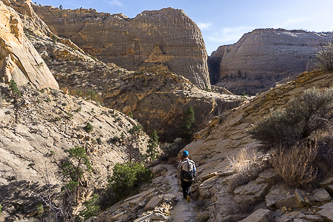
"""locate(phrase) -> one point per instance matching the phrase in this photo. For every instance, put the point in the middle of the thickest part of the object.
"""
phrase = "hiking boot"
(188, 199)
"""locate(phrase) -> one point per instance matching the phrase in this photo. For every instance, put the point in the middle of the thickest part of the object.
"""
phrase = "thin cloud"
(291, 23)
(230, 34)
(116, 3)
(204, 26)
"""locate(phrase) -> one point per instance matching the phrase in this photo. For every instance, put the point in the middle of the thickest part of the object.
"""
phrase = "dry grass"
(242, 162)
(246, 167)
(297, 166)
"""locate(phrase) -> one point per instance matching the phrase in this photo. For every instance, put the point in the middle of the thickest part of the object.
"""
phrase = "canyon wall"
(155, 41)
(264, 57)
(19, 61)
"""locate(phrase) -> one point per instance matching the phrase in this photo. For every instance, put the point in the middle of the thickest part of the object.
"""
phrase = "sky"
(223, 22)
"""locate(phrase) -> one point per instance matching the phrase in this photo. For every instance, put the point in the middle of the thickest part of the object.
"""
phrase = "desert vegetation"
(324, 57)
(298, 137)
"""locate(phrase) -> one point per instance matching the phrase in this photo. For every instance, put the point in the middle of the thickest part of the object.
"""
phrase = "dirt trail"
(182, 211)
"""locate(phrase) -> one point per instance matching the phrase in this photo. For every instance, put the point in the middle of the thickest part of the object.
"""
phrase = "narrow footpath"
(182, 211)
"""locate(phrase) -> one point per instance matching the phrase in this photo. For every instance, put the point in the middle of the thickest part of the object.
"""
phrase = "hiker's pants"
(186, 185)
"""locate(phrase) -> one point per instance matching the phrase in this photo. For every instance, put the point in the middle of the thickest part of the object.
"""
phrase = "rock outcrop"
(19, 61)
(166, 40)
(265, 57)
(37, 131)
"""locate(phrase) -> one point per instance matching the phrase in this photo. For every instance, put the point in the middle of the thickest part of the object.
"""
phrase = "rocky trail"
(183, 210)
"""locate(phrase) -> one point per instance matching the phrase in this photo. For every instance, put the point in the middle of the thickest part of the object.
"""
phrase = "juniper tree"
(152, 145)
(73, 168)
(188, 119)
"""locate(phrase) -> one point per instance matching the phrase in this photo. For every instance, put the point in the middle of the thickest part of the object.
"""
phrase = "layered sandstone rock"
(157, 100)
(35, 137)
(18, 58)
(264, 57)
(155, 41)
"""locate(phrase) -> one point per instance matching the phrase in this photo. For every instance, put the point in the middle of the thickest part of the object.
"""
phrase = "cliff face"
(163, 40)
(18, 58)
(157, 101)
(264, 57)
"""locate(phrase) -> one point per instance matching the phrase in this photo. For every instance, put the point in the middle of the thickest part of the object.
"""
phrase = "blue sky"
(223, 22)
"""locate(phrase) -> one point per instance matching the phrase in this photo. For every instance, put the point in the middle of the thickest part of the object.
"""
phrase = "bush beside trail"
(299, 137)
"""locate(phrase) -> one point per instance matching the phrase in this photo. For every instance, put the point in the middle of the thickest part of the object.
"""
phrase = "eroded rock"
(154, 41)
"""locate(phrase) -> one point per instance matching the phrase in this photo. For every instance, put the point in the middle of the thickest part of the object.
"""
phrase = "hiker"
(187, 174)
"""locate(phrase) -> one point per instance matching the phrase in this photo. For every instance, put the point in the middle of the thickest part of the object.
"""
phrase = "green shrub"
(57, 119)
(152, 145)
(172, 149)
(73, 168)
(55, 39)
(14, 88)
(92, 207)
(0, 209)
(88, 128)
(79, 92)
(302, 116)
(127, 178)
(92, 95)
(188, 119)
(40, 209)
(130, 114)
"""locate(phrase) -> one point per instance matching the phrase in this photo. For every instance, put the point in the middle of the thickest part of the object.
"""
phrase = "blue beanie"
(185, 153)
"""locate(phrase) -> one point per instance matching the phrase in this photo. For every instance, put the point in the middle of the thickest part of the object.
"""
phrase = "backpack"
(187, 171)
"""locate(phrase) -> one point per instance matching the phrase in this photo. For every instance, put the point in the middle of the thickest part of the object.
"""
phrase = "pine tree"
(188, 119)
(152, 145)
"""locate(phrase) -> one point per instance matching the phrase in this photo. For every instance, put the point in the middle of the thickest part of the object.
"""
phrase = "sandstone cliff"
(157, 100)
(18, 58)
(155, 41)
(264, 57)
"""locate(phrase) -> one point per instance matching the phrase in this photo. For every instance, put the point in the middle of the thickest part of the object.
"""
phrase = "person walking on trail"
(187, 174)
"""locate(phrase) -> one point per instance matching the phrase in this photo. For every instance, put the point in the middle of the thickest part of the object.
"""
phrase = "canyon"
(63, 88)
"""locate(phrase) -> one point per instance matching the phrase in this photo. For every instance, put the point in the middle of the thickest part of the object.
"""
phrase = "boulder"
(326, 211)
(252, 189)
(267, 176)
(321, 195)
(154, 202)
(260, 215)
(282, 195)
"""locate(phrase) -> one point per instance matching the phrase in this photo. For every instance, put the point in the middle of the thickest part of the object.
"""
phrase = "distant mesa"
(162, 40)
(264, 57)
